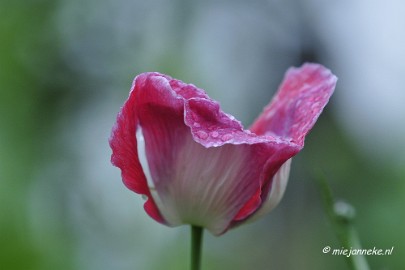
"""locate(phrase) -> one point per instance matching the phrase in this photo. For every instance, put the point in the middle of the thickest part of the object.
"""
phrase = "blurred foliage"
(32, 95)
(54, 214)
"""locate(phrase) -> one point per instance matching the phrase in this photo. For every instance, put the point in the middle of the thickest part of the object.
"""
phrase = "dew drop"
(226, 137)
(214, 134)
(202, 135)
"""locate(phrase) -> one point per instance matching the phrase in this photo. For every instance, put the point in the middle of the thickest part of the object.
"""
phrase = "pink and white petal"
(190, 183)
(206, 179)
(125, 156)
(201, 167)
(273, 181)
(277, 189)
(205, 187)
(298, 103)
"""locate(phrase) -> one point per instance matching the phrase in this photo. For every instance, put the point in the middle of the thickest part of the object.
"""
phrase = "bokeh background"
(66, 67)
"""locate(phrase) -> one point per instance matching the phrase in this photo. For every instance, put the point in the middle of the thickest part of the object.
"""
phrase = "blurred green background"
(66, 68)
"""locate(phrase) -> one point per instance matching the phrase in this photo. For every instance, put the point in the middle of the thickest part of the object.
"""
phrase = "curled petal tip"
(301, 97)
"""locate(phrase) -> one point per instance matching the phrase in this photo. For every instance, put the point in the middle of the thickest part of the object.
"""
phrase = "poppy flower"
(196, 164)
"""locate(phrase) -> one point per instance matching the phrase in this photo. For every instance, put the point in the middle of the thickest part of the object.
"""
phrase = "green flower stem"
(341, 215)
(196, 246)
(359, 262)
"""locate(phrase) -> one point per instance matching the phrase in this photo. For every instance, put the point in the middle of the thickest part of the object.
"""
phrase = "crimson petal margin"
(125, 155)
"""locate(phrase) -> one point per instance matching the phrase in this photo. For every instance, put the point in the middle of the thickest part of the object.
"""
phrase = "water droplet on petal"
(226, 137)
(202, 134)
(214, 134)
(195, 117)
